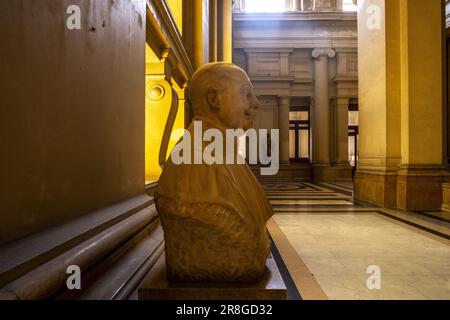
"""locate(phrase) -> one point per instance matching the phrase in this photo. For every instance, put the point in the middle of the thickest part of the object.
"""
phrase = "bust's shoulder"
(195, 182)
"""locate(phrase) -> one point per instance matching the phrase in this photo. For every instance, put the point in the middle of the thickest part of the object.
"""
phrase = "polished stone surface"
(338, 246)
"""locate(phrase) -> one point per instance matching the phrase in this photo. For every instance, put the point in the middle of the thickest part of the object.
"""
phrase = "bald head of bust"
(223, 93)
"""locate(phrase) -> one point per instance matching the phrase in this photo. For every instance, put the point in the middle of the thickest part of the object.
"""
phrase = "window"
(265, 5)
(353, 118)
(349, 5)
(353, 138)
(299, 135)
(353, 132)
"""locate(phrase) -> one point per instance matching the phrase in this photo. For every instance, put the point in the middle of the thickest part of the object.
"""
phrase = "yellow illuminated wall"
(158, 100)
(176, 8)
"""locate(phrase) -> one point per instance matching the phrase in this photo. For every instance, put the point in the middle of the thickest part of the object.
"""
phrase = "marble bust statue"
(214, 215)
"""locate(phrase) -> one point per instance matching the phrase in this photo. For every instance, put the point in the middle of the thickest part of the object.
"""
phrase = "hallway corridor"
(130, 130)
(328, 242)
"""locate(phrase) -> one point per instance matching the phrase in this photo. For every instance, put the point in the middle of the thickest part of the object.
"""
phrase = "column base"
(379, 188)
(328, 173)
(298, 171)
(289, 170)
(420, 187)
(411, 188)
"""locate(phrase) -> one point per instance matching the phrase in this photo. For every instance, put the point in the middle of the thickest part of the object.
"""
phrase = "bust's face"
(238, 102)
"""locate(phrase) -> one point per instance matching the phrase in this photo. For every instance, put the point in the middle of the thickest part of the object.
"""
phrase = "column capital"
(329, 52)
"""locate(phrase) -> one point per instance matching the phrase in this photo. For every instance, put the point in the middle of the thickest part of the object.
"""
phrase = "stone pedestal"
(325, 173)
(297, 171)
(379, 188)
(412, 188)
(420, 187)
(156, 287)
(291, 170)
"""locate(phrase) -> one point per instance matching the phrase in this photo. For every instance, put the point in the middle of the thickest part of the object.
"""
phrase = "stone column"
(198, 34)
(212, 30)
(305, 5)
(290, 5)
(421, 171)
(378, 94)
(225, 45)
(400, 98)
(321, 113)
(283, 126)
(193, 31)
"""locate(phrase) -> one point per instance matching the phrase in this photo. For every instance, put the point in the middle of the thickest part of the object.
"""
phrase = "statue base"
(156, 287)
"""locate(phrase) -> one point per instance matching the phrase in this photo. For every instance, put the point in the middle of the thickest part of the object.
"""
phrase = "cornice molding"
(296, 16)
(282, 79)
(268, 50)
(342, 44)
(272, 78)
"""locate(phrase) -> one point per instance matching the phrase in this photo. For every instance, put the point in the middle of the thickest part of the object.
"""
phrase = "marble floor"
(337, 249)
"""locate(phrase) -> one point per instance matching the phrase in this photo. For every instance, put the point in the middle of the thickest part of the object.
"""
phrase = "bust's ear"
(212, 96)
